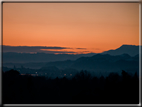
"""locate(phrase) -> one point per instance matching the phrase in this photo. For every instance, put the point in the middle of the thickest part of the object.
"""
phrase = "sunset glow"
(96, 27)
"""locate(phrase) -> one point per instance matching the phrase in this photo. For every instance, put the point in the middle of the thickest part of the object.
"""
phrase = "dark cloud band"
(35, 49)
(28, 48)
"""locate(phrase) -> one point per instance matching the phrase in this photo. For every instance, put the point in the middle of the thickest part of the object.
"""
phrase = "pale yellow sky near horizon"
(95, 26)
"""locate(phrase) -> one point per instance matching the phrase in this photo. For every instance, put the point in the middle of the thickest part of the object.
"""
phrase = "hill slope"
(132, 50)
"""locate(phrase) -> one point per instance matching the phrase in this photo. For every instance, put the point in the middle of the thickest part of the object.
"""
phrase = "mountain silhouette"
(97, 65)
(38, 60)
(38, 57)
(132, 50)
(100, 63)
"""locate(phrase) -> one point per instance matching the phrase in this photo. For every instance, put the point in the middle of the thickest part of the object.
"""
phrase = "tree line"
(80, 89)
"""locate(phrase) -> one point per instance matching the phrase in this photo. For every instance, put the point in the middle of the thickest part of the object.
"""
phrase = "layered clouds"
(44, 49)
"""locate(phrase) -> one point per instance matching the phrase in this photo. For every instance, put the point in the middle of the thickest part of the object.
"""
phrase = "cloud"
(85, 51)
(60, 52)
(44, 49)
(29, 49)
(80, 48)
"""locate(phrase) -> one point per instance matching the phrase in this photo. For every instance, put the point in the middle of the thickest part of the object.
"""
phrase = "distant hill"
(132, 50)
(13, 57)
(100, 63)
(38, 60)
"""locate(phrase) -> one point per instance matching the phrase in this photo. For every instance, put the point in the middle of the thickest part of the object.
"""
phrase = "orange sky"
(95, 26)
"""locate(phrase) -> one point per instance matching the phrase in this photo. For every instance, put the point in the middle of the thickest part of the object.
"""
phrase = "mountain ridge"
(97, 64)
(13, 57)
(132, 50)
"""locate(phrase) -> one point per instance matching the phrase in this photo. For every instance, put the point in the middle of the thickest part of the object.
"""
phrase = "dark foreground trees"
(81, 89)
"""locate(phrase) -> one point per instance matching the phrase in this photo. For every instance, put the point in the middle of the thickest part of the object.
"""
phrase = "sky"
(80, 27)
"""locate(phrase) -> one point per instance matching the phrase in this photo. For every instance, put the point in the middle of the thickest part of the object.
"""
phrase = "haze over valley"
(125, 58)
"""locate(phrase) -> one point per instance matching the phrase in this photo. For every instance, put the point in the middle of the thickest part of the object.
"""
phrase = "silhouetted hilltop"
(101, 63)
(132, 50)
(97, 64)
(13, 57)
(60, 64)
